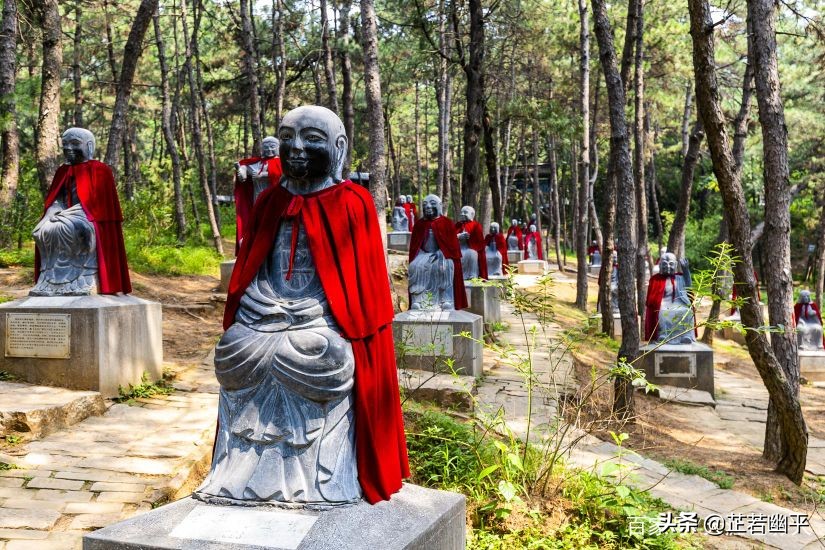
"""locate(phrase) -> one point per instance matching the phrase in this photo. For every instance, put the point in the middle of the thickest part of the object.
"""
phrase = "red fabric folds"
(530, 236)
(501, 246)
(476, 242)
(245, 193)
(517, 230)
(653, 303)
(98, 198)
(408, 210)
(445, 237)
(345, 243)
(797, 313)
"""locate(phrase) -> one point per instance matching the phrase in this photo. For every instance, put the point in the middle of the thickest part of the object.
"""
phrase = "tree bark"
(652, 184)
(686, 118)
(642, 262)
(554, 198)
(348, 113)
(625, 208)
(250, 69)
(329, 64)
(47, 152)
(819, 281)
(9, 138)
(584, 157)
(491, 163)
(777, 241)
(210, 142)
(376, 161)
(676, 240)
(608, 244)
(780, 388)
(76, 76)
(279, 50)
(473, 120)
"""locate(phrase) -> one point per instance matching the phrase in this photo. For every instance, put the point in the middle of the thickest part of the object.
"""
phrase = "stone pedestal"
(682, 366)
(593, 269)
(425, 339)
(532, 267)
(515, 256)
(83, 342)
(226, 274)
(399, 241)
(484, 300)
(812, 365)
(414, 518)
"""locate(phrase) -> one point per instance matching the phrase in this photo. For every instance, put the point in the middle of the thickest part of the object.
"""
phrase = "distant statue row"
(404, 214)
(525, 238)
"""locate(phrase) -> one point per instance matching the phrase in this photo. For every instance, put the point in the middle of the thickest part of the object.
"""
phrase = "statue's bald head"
(78, 145)
(269, 147)
(313, 144)
(804, 296)
(494, 228)
(431, 208)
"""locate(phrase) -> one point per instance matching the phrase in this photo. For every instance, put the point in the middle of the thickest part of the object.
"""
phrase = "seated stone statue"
(252, 176)
(309, 409)
(495, 250)
(435, 280)
(514, 236)
(808, 321)
(532, 245)
(596, 259)
(471, 241)
(400, 220)
(669, 316)
(79, 239)
(592, 251)
(412, 211)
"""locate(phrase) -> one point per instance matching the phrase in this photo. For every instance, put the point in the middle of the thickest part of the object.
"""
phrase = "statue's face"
(78, 145)
(467, 213)
(532, 229)
(402, 200)
(313, 144)
(667, 265)
(804, 297)
(409, 199)
(269, 147)
(431, 208)
(494, 228)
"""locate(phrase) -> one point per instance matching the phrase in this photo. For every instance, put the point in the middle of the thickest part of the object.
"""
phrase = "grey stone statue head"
(513, 222)
(402, 200)
(431, 208)
(409, 199)
(78, 145)
(532, 228)
(494, 228)
(667, 264)
(468, 213)
(313, 144)
(804, 296)
(270, 146)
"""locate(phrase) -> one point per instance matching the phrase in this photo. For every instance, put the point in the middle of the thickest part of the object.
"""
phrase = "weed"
(4, 466)
(7, 376)
(143, 390)
(12, 439)
(719, 477)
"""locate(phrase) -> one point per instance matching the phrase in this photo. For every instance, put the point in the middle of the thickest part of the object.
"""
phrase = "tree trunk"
(584, 158)
(780, 388)
(491, 162)
(131, 56)
(279, 49)
(473, 119)
(819, 281)
(250, 69)
(686, 119)
(652, 184)
(348, 113)
(536, 190)
(329, 64)
(608, 245)
(594, 165)
(676, 240)
(210, 142)
(642, 255)
(168, 134)
(554, 198)
(47, 152)
(633, 9)
(625, 208)
(376, 162)
(76, 57)
(777, 241)
(9, 138)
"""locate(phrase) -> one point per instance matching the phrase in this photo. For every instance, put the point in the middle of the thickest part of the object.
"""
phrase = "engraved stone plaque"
(245, 526)
(398, 238)
(43, 335)
(429, 340)
(675, 365)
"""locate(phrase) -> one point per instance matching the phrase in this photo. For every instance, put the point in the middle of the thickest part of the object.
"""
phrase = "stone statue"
(79, 239)
(252, 176)
(614, 284)
(669, 316)
(532, 244)
(400, 221)
(596, 260)
(592, 251)
(471, 241)
(514, 236)
(412, 211)
(808, 323)
(495, 250)
(309, 410)
(436, 280)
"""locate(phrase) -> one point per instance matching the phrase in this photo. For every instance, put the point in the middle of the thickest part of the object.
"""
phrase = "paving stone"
(725, 501)
(30, 504)
(11, 481)
(51, 483)
(118, 487)
(94, 508)
(13, 518)
(25, 534)
(93, 521)
(120, 497)
(99, 475)
(130, 464)
(14, 492)
(25, 472)
(63, 496)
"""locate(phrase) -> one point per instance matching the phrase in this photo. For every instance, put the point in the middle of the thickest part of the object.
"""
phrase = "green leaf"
(487, 471)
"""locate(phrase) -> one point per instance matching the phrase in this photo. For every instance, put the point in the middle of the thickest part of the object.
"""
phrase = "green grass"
(13, 257)
(719, 477)
(173, 260)
(4, 466)
(143, 390)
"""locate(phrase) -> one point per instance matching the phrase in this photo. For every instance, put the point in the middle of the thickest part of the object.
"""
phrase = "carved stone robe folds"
(339, 229)
(445, 237)
(97, 194)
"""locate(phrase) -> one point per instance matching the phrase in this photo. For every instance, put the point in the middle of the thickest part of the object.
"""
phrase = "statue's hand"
(684, 264)
(240, 171)
(464, 236)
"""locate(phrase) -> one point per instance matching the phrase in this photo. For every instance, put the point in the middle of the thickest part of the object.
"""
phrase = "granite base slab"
(484, 300)
(514, 256)
(414, 518)
(683, 366)
(812, 365)
(593, 269)
(399, 241)
(97, 343)
(425, 340)
(532, 267)
(226, 274)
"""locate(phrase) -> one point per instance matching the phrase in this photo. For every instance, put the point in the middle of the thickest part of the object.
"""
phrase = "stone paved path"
(109, 467)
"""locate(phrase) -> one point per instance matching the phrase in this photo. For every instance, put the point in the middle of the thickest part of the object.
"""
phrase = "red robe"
(245, 193)
(517, 230)
(408, 209)
(537, 236)
(476, 243)
(797, 313)
(414, 211)
(447, 241)
(655, 293)
(345, 243)
(501, 246)
(98, 198)
(734, 293)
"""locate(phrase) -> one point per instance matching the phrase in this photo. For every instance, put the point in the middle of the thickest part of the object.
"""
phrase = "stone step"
(41, 410)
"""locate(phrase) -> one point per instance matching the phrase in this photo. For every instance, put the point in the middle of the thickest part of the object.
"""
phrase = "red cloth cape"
(501, 246)
(591, 249)
(797, 313)
(476, 243)
(98, 198)
(655, 293)
(447, 241)
(517, 230)
(414, 211)
(245, 191)
(734, 293)
(345, 242)
(537, 236)
(410, 218)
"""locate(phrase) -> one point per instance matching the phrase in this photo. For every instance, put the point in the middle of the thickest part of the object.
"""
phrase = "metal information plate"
(245, 526)
(675, 365)
(43, 335)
